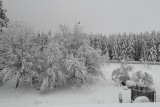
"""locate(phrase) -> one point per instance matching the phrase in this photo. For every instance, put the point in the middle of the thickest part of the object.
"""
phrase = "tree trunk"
(17, 83)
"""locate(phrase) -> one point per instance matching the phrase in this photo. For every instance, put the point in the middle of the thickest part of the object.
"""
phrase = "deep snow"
(101, 93)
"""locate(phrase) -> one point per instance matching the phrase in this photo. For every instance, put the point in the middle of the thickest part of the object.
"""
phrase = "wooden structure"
(137, 91)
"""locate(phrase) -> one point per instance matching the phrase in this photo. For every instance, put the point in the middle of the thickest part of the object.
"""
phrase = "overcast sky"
(97, 16)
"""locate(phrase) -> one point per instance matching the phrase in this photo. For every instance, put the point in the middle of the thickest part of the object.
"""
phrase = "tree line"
(131, 47)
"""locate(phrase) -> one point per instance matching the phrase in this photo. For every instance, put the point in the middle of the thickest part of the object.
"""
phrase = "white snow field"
(101, 93)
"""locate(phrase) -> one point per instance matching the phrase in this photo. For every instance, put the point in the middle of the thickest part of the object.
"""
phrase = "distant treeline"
(131, 46)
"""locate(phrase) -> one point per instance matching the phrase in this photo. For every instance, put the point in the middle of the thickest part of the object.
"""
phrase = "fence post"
(155, 96)
(120, 97)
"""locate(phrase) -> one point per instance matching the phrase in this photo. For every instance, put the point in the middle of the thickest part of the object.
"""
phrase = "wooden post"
(154, 96)
(120, 97)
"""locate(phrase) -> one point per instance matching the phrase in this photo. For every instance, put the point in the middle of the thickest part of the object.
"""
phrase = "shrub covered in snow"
(69, 59)
(122, 73)
(130, 83)
(142, 79)
(136, 76)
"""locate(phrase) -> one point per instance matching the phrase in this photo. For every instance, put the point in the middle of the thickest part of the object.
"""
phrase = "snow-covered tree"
(122, 73)
(152, 53)
(15, 47)
(73, 60)
(3, 18)
(130, 49)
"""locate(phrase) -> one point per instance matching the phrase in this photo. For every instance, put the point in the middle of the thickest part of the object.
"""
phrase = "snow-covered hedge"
(143, 79)
(130, 83)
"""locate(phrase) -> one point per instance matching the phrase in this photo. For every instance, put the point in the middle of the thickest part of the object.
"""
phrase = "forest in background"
(131, 47)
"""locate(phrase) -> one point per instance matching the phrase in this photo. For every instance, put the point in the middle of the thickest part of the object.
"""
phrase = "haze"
(96, 16)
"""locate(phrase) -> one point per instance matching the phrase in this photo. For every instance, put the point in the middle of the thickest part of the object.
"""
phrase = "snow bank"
(141, 99)
(100, 93)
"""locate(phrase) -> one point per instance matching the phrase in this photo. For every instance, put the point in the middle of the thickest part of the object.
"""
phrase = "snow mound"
(141, 99)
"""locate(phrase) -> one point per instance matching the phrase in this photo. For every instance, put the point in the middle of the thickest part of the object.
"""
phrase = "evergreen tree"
(3, 18)
(130, 49)
(124, 46)
(152, 50)
(144, 56)
(115, 49)
(158, 52)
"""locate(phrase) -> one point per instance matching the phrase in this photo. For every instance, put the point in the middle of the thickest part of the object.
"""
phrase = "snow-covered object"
(118, 82)
(130, 83)
(141, 99)
(125, 87)
(120, 96)
(142, 79)
(135, 76)
(141, 83)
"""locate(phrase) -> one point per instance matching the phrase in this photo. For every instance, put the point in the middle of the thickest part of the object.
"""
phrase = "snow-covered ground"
(101, 93)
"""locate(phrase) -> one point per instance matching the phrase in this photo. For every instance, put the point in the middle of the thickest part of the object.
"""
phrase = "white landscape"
(79, 52)
(103, 92)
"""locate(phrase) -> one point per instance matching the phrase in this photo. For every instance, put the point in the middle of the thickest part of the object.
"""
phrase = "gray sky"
(97, 16)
